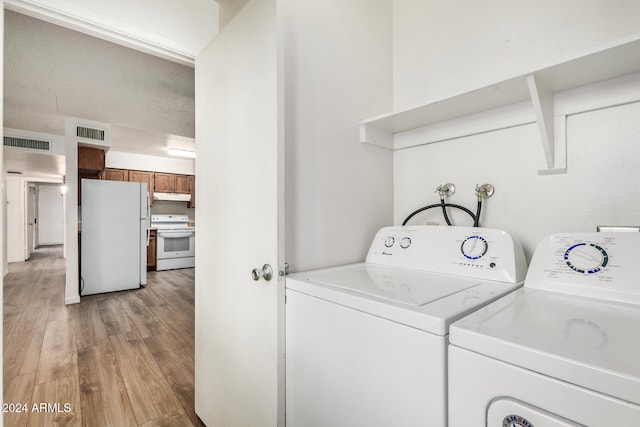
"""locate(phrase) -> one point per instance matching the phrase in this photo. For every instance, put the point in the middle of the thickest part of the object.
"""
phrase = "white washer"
(562, 351)
(366, 344)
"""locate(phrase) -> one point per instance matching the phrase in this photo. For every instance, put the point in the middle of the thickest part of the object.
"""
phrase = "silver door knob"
(265, 272)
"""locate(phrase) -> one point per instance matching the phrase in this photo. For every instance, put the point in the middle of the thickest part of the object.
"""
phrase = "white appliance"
(366, 344)
(113, 255)
(172, 197)
(562, 351)
(175, 242)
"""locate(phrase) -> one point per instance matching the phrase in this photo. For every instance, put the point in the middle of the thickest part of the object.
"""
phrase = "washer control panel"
(593, 265)
(587, 258)
(482, 253)
(474, 247)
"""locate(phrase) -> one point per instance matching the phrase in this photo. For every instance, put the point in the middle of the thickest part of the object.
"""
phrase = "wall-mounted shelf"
(523, 99)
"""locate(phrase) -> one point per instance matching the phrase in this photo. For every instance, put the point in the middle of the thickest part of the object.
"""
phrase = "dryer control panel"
(482, 253)
(593, 265)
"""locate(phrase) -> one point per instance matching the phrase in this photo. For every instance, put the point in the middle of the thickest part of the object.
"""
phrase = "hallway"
(119, 359)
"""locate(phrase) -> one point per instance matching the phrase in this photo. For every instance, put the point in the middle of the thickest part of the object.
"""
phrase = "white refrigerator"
(115, 222)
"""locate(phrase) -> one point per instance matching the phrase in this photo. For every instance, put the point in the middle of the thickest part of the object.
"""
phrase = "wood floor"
(119, 359)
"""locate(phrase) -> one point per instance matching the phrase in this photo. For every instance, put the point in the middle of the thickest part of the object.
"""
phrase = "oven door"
(175, 244)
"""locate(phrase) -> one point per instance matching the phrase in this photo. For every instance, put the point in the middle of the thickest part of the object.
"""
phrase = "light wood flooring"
(119, 359)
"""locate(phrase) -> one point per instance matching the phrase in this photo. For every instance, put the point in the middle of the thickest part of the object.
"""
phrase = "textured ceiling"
(51, 72)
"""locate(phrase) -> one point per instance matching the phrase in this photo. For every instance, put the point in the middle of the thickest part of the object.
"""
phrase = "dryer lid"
(590, 343)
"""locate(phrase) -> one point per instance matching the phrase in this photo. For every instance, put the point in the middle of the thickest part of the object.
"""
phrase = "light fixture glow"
(181, 153)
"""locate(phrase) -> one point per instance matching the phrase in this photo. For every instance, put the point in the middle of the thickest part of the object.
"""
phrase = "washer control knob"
(405, 242)
(586, 258)
(389, 241)
(474, 247)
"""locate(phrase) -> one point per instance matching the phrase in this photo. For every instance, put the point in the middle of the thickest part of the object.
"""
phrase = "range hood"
(174, 197)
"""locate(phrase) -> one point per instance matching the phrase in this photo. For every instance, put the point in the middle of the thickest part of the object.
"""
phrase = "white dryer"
(562, 351)
(366, 344)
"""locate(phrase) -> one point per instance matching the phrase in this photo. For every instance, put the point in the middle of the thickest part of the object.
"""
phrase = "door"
(31, 220)
(239, 322)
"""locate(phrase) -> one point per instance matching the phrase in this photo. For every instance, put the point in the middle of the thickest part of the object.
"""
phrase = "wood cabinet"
(151, 250)
(192, 189)
(182, 184)
(159, 182)
(172, 183)
(90, 166)
(146, 177)
(164, 182)
(90, 160)
(115, 174)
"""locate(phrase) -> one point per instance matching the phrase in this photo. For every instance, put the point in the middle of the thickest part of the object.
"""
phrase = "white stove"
(366, 344)
(175, 241)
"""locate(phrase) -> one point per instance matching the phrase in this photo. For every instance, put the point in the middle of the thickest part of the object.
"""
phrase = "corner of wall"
(72, 292)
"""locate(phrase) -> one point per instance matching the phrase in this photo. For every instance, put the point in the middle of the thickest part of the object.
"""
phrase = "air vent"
(90, 133)
(34, 144)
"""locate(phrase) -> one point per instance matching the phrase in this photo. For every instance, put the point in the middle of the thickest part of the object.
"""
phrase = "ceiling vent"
(32, 144)
(90, 133)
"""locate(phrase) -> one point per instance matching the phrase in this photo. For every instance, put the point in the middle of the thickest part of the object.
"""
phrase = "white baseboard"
(72, 300)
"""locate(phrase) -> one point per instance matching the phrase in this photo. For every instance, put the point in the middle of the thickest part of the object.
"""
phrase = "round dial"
(586, 258)
(474, 247)
(405, 242)
(389, 241)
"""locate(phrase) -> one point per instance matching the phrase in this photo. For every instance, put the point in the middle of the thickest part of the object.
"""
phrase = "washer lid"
(590, 343)
(401, 285)
(424, 300)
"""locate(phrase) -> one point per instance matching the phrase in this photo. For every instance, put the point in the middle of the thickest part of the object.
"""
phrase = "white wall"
(50, 215)
(227, 9)
(338, 71)
(15, 219)
(446, 47)
(170, 207)
(72, 293)
(443, 48)
(122, 160)
(3, 230)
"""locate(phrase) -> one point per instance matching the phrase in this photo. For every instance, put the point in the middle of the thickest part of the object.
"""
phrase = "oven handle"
(175, 234)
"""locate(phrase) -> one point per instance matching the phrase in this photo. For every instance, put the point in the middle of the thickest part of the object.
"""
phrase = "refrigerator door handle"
(148, 218)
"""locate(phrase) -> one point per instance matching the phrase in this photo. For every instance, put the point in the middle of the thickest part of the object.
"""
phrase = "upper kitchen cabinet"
(90, 161)
(164, 182)
(182, 184)
(116, 174)
(147, 177)
(90, 166)
(172, 183)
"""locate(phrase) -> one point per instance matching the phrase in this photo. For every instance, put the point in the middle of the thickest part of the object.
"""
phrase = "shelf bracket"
(542, 100)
